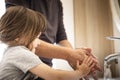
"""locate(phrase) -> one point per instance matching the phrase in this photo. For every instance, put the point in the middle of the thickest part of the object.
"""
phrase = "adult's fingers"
(94, 75)
(86, 78)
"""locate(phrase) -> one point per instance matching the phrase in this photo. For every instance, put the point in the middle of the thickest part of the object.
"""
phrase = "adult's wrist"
(69, 54)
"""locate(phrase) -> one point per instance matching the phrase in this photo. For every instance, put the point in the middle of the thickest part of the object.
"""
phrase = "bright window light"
(2, 10)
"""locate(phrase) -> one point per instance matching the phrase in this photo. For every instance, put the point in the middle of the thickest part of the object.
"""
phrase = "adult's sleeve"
(25, 3)
(61, 34)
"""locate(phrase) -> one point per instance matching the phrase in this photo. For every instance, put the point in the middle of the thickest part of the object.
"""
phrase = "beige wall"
(93, 23)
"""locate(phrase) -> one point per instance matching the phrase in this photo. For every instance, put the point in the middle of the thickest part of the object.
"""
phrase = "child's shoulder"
(17, 50)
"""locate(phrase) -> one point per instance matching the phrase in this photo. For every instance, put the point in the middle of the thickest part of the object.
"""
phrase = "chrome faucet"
(107, 63)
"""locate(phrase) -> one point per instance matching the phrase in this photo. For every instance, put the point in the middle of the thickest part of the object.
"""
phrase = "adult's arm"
(47, 50)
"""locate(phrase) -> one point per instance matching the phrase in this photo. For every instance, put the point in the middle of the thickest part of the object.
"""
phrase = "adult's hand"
(97, 67)
(80, 54)
(77, 54)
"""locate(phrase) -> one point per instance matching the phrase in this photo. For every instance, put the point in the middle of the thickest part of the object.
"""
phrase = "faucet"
(107, 63)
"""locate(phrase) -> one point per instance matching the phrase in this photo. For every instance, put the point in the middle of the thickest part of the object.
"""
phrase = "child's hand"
(86, 66)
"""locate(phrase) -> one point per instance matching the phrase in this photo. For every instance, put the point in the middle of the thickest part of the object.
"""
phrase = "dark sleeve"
(25, 3)
(61, 34)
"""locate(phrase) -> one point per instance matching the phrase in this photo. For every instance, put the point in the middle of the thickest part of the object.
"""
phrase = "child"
(19, 28)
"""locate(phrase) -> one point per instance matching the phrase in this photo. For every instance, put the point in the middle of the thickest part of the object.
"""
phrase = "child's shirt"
(16, 62)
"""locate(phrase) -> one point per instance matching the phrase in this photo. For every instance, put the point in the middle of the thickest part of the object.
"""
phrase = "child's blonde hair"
(20, 26)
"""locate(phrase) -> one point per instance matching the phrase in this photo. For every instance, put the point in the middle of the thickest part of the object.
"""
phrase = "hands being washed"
(95, 68)
(80, 54)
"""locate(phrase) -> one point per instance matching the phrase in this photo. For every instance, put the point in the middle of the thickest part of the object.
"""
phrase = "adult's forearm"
(52, 51)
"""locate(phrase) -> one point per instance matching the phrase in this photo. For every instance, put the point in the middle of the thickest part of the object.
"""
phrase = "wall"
(69, 19)
(93, 23)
